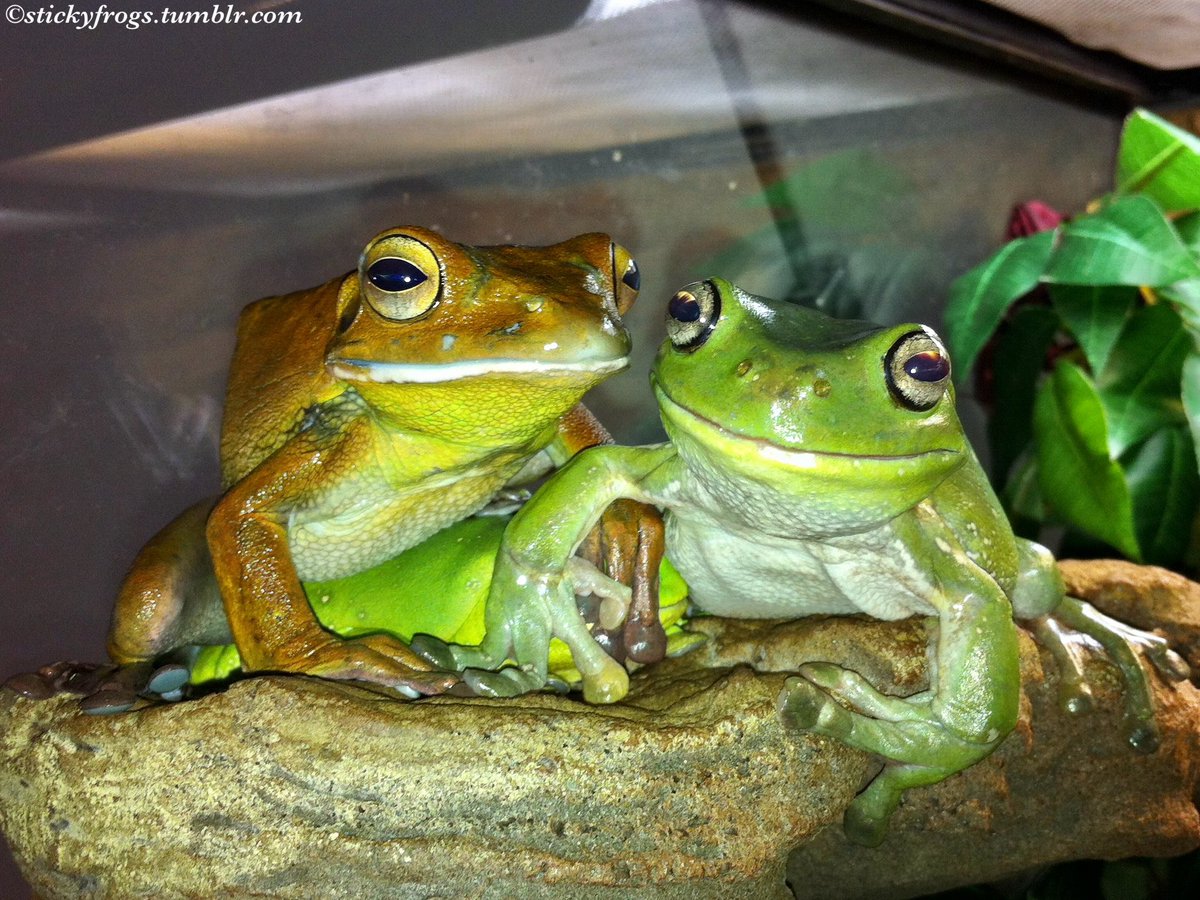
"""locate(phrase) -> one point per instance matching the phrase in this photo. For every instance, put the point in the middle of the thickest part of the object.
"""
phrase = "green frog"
(364, 416)
(817, 467)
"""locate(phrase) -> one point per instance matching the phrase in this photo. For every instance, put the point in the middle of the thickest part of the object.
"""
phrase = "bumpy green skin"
(796, 482)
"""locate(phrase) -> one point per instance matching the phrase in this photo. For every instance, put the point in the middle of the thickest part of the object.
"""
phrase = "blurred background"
(858, 155)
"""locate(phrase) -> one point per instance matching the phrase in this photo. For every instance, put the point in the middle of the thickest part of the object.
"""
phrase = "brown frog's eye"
(918, 370)
(393, 275)
(691, 315)
(400, 277)
(627, 280)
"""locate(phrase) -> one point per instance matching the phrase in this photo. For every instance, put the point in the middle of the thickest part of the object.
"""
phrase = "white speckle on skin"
(616, 156)
(733, 185)
(553, 345)
(535, 305)
(448, 341)
(522, 580)
(943, 546)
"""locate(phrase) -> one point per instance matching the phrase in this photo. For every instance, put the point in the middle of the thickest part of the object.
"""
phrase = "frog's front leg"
(532, 597)
(1058, 621)
(627, 544)
(269, 615)
(971, 706)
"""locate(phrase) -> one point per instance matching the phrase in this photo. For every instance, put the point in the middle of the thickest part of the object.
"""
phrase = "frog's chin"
(362, 370)
(740, 446)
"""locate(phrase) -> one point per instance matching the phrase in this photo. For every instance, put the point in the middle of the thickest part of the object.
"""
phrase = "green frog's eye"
(691, 315)
(627, 280)
(918, 370)
(400, 277)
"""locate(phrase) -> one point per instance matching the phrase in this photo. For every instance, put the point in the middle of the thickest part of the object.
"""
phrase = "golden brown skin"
(368, 413)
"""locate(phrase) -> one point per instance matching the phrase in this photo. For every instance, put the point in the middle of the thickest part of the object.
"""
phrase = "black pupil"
(632, 278)
(393, 274)
(928, 366)
(684, 308)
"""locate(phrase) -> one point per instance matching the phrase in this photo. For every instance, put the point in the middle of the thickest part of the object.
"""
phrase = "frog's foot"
(866, 819)
(104, 689)
(624, 549)
(907, 731)
(482, 674)
(488, 670)
(511, 681)
(378, 659)
(1060, 632)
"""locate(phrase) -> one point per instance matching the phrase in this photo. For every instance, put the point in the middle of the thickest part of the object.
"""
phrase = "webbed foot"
(104, 689)
(376, 659)
(1063, 633)
(485, 679)
(920, 748)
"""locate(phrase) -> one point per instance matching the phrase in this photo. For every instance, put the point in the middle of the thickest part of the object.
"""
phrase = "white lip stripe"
(432, 373)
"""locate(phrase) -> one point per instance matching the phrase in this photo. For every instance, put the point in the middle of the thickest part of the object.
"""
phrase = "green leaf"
(1185, 295)
(1129, 241)
(979, 299)
(1165, 488)
(1160, 160)
(1190, 387)
(1188, 228)
(1140, 385)
(1095, 314)
(1022, 496)
(1020, 356)
(1077, 475)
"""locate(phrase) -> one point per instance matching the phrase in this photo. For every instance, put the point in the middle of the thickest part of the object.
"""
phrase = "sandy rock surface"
(690, 788)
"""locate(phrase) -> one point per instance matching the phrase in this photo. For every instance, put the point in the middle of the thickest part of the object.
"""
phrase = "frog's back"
(278, 373)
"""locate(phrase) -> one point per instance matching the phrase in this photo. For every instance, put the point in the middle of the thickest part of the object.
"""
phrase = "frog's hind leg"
(170, 599)
(971, 705)
(1063, 625)
(918, 745)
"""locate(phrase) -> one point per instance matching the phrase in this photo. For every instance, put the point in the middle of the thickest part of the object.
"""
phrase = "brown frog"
(363, 416)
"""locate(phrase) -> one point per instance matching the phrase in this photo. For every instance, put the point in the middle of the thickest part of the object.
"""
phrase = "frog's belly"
(375, 525)
(761, 576)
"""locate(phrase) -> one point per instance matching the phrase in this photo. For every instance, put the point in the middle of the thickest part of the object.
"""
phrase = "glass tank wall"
(708, 138)
(789, 156)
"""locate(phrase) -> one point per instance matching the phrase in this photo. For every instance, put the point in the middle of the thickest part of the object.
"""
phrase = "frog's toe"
(508, 682)
(108, 702)
(433, 650)
(31, 686)
(1169, 664)
(801, 704)
(1143, 737)
(168, 681)
(862, 825)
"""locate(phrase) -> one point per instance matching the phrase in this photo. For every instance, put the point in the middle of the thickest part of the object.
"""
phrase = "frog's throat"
(434, 373)
(792, 457)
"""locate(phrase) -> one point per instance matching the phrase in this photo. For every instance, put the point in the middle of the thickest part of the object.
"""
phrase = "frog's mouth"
(792, 457)
(434, 373)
